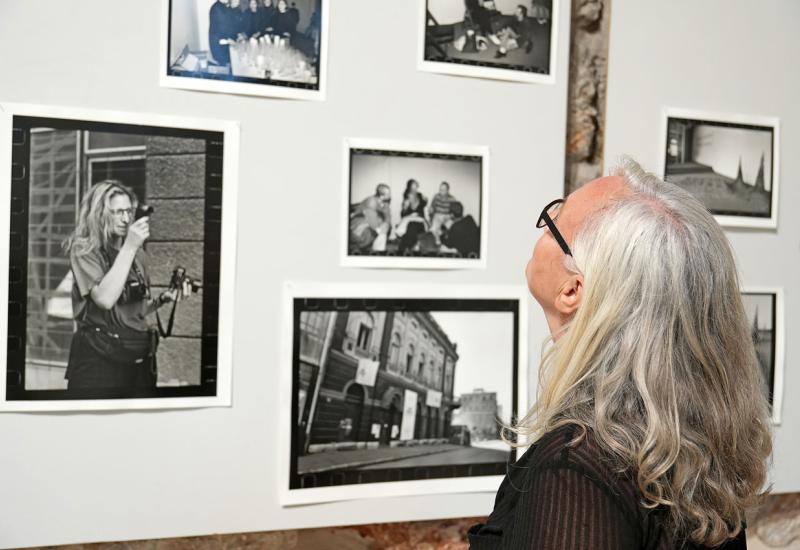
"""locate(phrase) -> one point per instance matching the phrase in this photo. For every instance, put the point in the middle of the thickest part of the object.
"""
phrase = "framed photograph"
(414, 205)
(728, 161)
(118, 261)
(273, 48)
(499, 39)
(764, 307)
(399, 390)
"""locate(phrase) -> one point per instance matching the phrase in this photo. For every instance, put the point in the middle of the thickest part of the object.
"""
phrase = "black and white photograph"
(729, 162)
(499, 39)
(401, 391)
(764, 308)
(275, 48)
(414, 205)
(119, 263)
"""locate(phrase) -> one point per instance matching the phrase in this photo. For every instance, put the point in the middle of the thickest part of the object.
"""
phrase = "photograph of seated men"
(506, 34)
(246, 39)
(414, 206)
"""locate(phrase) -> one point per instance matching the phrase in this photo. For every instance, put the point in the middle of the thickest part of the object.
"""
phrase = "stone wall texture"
(775, 525)
(176, 170)
(588, 62)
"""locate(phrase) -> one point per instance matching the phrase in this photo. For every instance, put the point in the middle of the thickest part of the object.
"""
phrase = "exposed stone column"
(586, 102)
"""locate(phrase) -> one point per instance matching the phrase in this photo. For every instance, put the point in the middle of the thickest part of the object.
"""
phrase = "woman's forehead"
(120, 200)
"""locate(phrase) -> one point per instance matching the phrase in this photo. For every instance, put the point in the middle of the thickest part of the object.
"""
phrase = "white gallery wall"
(80, 477)
(729, 56)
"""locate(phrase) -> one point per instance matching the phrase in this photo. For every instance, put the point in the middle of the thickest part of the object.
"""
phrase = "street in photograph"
(405, 390)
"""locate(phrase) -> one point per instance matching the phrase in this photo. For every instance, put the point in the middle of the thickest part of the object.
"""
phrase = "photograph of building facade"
(412, 353)
(375, 400)
(479, 413)
(168, 173)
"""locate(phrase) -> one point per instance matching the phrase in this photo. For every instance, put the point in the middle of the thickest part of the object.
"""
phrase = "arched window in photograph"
(421, 367)
(365, 329)
(394, 352)
(410, 359)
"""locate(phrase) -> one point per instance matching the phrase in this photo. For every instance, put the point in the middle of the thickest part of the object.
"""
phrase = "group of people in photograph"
(483, 21)
(236, 20)
(424, 228)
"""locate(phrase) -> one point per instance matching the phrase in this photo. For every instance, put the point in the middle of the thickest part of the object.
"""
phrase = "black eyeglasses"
(547, 217)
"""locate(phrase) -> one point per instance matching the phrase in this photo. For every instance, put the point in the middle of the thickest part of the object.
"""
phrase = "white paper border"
(227, 259)
(493, 73)
(411, 262)
(246, 88)
(489, 484)
(713, 116)
(777, 389)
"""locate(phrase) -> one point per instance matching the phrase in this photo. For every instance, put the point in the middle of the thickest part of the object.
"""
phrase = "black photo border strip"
(18, 260)
(354, 151)
(465, 305)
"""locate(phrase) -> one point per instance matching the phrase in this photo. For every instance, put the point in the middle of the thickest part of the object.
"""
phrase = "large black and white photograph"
(729, 162)
(500, 39)
(274, 48)
(401, 391)
(764, 308)
(414, 205)
(119, 264)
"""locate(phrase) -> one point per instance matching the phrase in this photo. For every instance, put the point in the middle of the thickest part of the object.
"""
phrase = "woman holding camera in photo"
(114, 345)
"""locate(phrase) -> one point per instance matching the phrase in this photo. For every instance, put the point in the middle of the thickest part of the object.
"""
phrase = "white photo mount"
(779, 330)
(414, 262)
(487, 72)
(245, 88)
(479, 484)
(747, 222)
(230, 130)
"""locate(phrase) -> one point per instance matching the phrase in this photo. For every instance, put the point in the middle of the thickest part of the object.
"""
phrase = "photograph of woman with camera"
(114, 346)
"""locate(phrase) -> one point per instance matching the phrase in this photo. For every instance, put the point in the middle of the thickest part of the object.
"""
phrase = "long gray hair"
(659, 362)
(93, 230)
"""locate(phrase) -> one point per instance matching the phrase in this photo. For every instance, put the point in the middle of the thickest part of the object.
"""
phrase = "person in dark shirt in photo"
(219, 30)
(253, 18)
(461, 232)
(517, 34)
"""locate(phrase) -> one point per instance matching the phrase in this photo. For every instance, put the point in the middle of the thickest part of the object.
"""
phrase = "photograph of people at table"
(257, 41)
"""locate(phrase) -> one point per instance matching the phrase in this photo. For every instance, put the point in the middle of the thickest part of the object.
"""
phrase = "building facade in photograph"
(374, 377)
(167, 173)
(479, 413)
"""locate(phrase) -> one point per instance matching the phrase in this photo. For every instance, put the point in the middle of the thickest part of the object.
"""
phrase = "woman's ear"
(569, 297)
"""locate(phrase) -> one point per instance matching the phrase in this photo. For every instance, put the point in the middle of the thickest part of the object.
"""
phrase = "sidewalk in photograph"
(403, 456)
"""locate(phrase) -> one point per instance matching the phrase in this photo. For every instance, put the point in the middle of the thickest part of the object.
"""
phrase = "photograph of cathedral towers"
(728, 163)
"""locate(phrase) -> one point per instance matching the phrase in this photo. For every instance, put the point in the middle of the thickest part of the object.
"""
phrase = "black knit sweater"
(557, 497)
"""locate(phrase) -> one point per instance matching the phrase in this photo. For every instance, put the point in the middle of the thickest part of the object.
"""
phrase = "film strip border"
(349, 477)
(414, 154)
(18, 260)
(490, 65)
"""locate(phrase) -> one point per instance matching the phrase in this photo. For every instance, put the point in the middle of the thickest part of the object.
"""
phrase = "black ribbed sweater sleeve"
(564, 509)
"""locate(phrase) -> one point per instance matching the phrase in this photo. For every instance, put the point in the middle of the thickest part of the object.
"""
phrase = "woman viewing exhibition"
(651, 428)
(114, 345)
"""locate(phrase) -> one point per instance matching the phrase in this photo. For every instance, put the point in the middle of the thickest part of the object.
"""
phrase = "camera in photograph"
(144, 210)
(179, 278)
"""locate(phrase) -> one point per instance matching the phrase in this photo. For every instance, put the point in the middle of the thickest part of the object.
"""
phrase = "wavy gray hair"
(658, 360)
